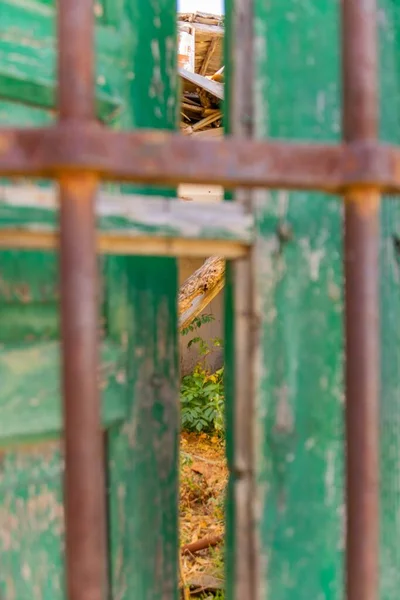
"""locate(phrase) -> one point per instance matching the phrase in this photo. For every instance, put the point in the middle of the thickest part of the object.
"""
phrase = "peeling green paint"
(136, 87)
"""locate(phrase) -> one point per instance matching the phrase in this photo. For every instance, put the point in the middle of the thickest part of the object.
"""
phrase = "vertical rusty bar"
(76, 60)
(84, 476)
(361, 262)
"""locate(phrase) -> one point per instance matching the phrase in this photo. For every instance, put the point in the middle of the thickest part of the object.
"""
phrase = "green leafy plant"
(202, 400)
(202, 392)
(197, 323)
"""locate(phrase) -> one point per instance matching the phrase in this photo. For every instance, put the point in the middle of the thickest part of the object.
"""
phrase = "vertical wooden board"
(229, 386)
(389, 36)
(142, 298)
(390, 400)
(31, 523)
(298, 421)
(143, 451)
(299, 430)
(300, 426)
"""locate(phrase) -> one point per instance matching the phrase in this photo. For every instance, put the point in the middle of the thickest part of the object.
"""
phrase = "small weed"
(197, 323)
(202, 401)
(220, 595)
(202, 392)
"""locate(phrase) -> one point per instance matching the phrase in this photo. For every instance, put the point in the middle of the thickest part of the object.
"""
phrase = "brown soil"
(204, 477)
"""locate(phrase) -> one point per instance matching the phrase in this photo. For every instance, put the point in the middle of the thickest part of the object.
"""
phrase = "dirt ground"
(204, 477)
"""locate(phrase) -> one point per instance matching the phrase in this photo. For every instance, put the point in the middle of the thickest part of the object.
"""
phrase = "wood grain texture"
(31, 512)
(31, 522)
(128, 224)
(134, 214)
(122, 243)
(389, 36)
(300, 399)
(142, 306)
(298, 428)
(28, 58)
(30, 390)
(199, 289)
(212, 87)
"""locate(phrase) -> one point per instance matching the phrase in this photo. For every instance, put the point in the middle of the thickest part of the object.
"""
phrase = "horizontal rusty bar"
(163, 158)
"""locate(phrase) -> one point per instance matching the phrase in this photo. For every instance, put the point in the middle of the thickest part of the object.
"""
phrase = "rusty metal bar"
(84, 495)
(163, 158)
(361, 262)
(75, 60)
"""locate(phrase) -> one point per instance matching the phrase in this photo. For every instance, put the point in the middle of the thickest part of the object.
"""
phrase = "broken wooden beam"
(199, 289)
(210, 51)
(211, 87)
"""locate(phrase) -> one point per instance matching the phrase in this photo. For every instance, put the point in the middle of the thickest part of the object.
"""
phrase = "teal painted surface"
(389, 34)
(28, 57)
(299, 420)
(300, 398)
(143, 450)
(31, 523)
(31, 530)
(299, 403)
(29, 293)
(142, 305)
(30, 390)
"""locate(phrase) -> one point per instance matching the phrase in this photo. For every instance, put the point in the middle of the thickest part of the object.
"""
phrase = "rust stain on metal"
(367, 202)
(83, 185)
(362, 394)
(84, 495)
(4, 142)
(169, 159)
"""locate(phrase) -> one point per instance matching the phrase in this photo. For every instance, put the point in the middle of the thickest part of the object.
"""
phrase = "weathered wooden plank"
(212, 87)
(155, 215)
(142, 306)
(203, 28)
(297, 426)
(206, 61)
(243, 298)
(300, 399)
(389, 36)
(116, 242)
(30, 404)
(131, 224)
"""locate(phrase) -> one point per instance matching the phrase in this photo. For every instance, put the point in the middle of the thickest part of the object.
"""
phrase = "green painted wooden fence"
(298, 418)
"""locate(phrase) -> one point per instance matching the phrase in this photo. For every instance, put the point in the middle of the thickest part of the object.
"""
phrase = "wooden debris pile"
(201, 107)
(201, 71)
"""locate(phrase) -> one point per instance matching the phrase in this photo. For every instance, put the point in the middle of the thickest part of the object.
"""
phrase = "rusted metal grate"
(78, 152)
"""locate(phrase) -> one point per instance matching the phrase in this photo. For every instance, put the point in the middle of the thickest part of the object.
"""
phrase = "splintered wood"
(201, 72)
(199, 289)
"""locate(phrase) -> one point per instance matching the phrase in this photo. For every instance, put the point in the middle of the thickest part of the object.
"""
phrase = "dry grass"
(204, 477)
